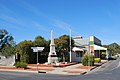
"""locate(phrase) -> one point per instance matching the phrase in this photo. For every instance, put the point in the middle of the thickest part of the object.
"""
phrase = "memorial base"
(52, 59)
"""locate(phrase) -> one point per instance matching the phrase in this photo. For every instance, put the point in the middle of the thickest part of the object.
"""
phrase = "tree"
(5, 38)
(39, 41)
(23, 49)
(7, 44)
(26, 54)
(63, 43)
(63, 46)
(114, 48)
(8, 50)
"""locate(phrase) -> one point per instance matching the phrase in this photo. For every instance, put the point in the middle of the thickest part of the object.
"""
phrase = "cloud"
(12, 20)
(56, 23)
(31, 8)
(39, 26)
(17, 22)
(7, 19)
(7, 24)
(62, 25)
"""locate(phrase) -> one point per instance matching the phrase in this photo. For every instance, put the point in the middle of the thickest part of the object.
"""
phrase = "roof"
(78, 49)
(96, 47)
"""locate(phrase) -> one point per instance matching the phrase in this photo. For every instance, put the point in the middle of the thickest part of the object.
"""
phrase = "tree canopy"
(63, 43)
(39, 41)
(24, 50)
(8, 50)
(5, 38)
(7, 44)
(63, 46)
(114, 48)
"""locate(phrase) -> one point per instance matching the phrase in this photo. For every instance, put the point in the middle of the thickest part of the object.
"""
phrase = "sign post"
(37, 49)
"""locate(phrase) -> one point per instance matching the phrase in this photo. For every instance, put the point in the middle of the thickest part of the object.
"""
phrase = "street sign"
(40, 48)
(36, 49)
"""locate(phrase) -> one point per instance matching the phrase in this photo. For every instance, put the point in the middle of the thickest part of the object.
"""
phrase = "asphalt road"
(108, 71)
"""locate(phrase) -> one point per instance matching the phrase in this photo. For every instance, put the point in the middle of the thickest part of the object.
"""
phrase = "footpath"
(63, 69)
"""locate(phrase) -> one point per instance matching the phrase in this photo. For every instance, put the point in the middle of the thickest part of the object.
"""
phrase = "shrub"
(85, 60)
(60, 59)
(103, 55)
(21, 65)
(97, 60)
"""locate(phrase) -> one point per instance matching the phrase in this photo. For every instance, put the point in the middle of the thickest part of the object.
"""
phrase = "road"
(108, 71)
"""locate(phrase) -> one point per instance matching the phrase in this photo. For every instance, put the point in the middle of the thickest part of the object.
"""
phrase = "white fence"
(7, 61)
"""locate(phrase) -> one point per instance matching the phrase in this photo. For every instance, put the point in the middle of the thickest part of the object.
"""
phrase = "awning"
(77, 49)
(96, 47)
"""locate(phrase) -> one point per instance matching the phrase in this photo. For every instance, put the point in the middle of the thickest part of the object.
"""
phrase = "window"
(79, 54)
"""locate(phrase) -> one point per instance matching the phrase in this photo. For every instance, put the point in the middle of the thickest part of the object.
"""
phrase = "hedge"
(97, 60)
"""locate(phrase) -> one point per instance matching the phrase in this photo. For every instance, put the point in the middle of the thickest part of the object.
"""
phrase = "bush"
(21, 65)
(97, 60)
(103, 55)
(85, 61)
(60, 59)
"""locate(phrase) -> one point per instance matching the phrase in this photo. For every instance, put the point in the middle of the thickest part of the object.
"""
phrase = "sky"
(26, 19)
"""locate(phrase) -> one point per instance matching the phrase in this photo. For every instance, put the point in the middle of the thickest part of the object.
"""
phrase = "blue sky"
(26, 19)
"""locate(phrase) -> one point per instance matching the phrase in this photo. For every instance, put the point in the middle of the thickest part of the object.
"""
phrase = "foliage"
(97, 60)
(21, 65)
(88, 60)
(60, 59)
(103, 55)
(7, 44)
(26, 53)
(39, 41)
(8, 50)
(114, 48)
(5, 38)
(24, 49)
(62, 45)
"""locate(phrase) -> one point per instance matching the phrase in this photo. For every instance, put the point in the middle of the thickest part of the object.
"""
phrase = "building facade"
(92, 45)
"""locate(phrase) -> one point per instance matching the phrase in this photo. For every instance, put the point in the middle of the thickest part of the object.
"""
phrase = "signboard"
(36, 49)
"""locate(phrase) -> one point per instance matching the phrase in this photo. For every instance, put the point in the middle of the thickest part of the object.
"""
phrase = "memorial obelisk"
(52, 57)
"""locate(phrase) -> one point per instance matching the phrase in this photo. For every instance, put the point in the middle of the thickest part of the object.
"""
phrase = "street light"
(70, 45)
(89, 53)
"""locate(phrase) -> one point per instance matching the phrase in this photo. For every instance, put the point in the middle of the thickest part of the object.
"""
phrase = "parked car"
(112, 58)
